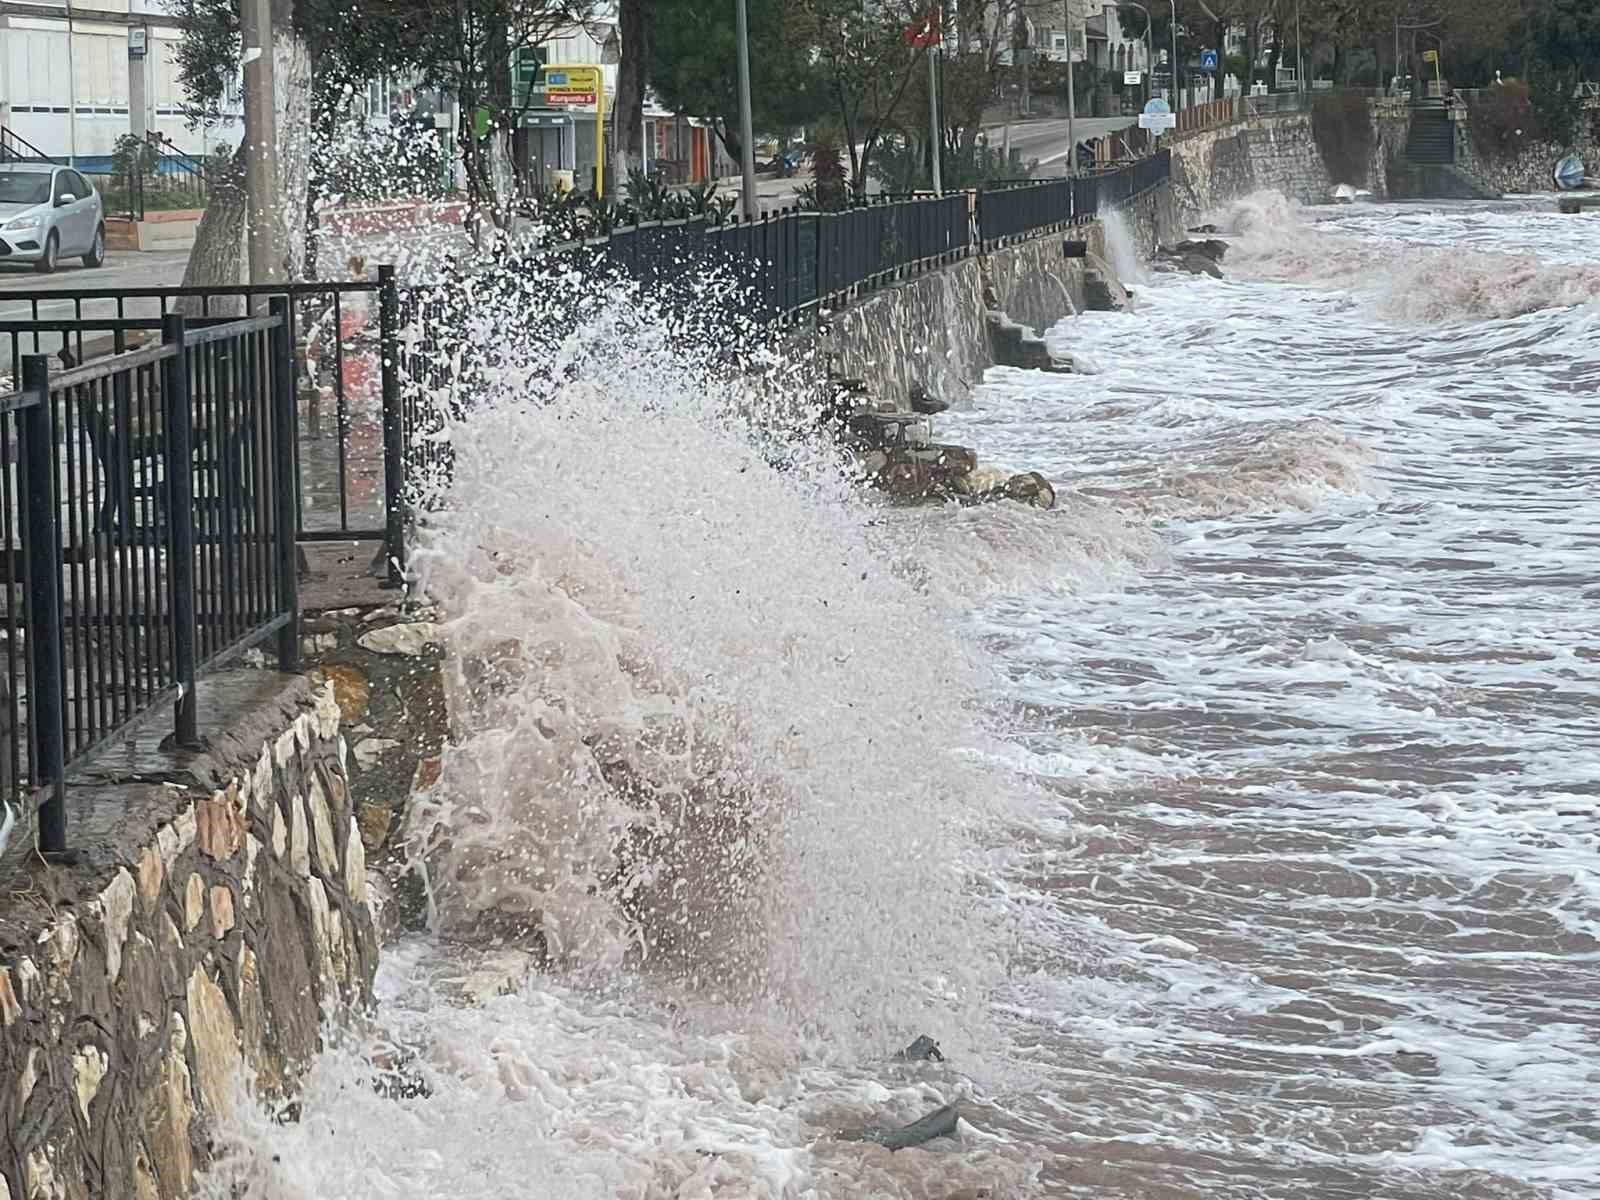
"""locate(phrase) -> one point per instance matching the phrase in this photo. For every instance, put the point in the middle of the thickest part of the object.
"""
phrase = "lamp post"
(1072, 101)
(747, 137)
(1149, 58)
(1299, 49)
(1177, 95)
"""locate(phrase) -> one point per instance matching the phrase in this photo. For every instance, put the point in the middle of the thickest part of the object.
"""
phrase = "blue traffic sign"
(1208, 60)
(1157, 105)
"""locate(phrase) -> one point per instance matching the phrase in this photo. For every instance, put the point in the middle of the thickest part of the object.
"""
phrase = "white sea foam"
(1409, 279)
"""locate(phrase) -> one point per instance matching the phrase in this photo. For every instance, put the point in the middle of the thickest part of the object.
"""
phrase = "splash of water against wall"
(1122, 247)
(679, 747)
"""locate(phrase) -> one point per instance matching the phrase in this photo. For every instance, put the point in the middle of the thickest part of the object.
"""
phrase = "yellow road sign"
(573, 85)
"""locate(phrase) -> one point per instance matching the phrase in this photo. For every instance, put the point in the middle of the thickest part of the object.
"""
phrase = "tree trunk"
(219, 258)
(634, 21)
(291, 77)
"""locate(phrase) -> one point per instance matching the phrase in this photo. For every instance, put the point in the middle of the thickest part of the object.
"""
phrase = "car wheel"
(97, 252)
(47, 260)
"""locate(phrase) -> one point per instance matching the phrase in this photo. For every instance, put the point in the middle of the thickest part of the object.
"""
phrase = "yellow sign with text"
(576, 87)
(1430, 56)
(571, 85)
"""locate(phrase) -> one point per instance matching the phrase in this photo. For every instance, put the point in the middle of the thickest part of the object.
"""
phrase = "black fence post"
(286, 493)
(46, 712)
(177, 419)
(394, 446)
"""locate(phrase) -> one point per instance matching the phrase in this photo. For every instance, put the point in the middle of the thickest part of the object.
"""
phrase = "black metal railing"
(149, 516)
(337, 380)
(1016, 210)
(173, 179)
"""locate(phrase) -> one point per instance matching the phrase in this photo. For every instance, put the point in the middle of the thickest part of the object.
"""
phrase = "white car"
(48, 212)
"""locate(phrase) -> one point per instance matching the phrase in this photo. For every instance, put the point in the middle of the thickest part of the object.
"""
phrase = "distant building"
(65, 79)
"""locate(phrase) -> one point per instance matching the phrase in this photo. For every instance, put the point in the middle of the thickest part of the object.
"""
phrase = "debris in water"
(924, 1049)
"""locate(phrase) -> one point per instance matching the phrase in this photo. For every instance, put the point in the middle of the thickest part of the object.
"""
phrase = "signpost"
(579, 87)
(1132, 78)
(1157, 117)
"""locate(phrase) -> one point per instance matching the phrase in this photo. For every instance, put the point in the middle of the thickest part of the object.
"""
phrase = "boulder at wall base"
(922, 401)
(1102, 293)
(1030, 488)
(911, 474)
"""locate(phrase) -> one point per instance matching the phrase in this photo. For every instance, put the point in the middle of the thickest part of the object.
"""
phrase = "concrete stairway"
(1431, 140)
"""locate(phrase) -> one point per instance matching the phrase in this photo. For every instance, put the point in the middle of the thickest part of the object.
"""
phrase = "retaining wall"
(1272, 153)
(932, 332)
(218, 909)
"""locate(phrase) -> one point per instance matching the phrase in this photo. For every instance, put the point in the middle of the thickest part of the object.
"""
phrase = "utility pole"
(937, 141)
(1072, 101)
(261, 140)
(1299, 52)
(747, 137)
(1177, 96)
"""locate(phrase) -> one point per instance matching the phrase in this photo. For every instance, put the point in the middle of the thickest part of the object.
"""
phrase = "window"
(24, 187)
(77, 184)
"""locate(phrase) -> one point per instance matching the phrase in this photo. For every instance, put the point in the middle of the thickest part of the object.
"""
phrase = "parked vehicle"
(48, 212)
(783, 165)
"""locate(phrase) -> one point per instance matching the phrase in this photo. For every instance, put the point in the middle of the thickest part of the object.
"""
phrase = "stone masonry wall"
(928, 332)
(1529, 170)
(1212, 168)
(217, 911)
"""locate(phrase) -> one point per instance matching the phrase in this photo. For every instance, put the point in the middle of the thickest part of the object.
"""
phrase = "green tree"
(866, 64)
(693, 67)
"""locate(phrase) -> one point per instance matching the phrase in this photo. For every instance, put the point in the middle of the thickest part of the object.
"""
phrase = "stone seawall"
(1529, 169)
(1276, 153)
(932, 333)
(217, 911)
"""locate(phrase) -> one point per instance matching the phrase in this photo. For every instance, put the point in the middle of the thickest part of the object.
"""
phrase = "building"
(1098, 38)
(558, 143)
(74, 80)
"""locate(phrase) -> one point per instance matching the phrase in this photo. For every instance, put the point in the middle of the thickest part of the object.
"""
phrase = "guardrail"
(148, 509)
(1014, 211)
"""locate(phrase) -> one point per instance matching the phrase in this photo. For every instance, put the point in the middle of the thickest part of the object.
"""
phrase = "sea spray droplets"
(704, 726)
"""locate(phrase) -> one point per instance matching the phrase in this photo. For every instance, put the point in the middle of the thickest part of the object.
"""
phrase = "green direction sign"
(527, 77)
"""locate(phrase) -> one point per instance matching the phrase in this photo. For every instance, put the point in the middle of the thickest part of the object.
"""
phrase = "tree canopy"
(693, 66)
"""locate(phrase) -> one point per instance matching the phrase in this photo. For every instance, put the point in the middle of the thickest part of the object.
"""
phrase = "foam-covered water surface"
(1331, 903)
(1233, 826)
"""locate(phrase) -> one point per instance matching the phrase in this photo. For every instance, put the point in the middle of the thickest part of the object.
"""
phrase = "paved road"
(1047, 140)
(122, 269)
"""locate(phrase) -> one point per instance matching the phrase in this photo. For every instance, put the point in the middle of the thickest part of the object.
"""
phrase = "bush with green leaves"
(1502, 122)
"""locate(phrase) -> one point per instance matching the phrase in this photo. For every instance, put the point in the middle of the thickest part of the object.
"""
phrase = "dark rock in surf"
(941, 1122)
(924, 1049)
(1030, 488)
(922, 401)
(1204, 229)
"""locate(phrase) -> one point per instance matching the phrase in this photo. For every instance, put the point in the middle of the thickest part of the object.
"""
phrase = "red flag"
(925, 32)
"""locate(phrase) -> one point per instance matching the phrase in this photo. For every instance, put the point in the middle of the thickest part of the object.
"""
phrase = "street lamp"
(1148, 57)
(747, 150)
(1177, 96)
(1299, 50)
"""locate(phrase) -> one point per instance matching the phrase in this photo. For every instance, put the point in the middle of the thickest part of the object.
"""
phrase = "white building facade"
(68, 82)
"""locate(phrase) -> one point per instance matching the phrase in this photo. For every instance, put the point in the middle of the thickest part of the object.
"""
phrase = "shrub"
(1341, 125)
(1501, 121)
(827, 192)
